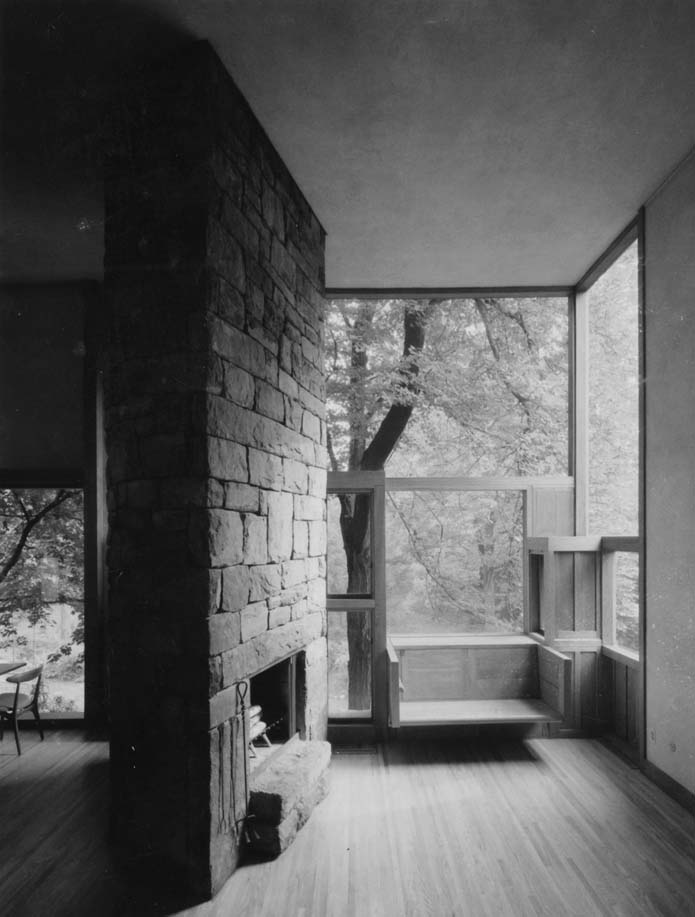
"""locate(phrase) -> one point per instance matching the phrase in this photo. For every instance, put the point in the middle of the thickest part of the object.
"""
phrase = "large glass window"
(454, 561)
(349, 664)
(350, 569)
(349, 551)
(469, 387)
(42, 589)
(627, 601)
(614, 427)
(614, 398)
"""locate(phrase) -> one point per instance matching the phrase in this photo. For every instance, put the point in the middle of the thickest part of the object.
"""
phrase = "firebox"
(274, 708)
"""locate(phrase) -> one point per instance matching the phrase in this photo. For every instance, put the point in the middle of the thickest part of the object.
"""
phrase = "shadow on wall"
(60, 63)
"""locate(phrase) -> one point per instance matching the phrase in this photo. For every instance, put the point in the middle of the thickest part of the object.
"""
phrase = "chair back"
(28, 675)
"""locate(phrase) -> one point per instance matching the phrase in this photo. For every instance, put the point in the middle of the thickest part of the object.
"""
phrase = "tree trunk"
(355, 524)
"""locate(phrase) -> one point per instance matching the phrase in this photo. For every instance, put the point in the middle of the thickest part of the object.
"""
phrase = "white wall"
(670, 476)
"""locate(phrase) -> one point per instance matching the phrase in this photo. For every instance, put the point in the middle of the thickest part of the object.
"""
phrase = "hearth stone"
(284, 794)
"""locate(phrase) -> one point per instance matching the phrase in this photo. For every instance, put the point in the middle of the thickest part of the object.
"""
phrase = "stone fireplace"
(215, 435)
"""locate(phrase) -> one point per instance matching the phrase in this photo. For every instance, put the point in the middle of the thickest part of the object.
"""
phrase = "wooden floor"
(543, 827)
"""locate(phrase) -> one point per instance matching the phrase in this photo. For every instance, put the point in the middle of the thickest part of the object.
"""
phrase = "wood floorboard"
(534, 828)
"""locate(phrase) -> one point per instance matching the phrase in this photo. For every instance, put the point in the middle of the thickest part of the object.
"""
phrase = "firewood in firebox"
(257, 729)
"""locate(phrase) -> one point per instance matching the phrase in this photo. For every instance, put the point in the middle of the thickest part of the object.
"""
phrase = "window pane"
(614, 398)
(42, 595)
(487, 380)
(349, 546)
(627, 601)
(349, 664)
(454, 561)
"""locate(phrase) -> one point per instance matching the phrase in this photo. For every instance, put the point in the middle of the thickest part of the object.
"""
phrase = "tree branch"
(27, 528)
(482, 307)
(435, 576)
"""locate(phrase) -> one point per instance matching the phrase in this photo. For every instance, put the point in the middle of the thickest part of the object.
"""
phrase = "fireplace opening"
(274, 706)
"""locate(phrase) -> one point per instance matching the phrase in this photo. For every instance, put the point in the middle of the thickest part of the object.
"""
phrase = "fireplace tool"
(242, 690)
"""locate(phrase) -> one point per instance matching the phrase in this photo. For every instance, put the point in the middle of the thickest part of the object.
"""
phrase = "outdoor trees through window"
(42, 589)
(448, 387)
(455, 561)
(614, 425)
(445, 387)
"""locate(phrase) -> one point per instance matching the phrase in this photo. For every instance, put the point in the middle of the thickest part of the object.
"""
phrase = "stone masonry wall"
(216, 454)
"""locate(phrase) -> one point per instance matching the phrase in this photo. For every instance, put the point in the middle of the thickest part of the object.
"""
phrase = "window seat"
(449, 679)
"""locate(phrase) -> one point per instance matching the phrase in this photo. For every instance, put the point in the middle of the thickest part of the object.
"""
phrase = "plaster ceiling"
(441, 142)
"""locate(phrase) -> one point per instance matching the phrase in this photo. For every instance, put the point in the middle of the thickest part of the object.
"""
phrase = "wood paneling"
(620, 700)
(551, 510)
(481, 673)
(586, 614)
(554, 677)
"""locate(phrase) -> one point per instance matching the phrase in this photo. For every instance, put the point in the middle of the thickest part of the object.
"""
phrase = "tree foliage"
(484, 387)
(614, 398)
(444, 387)
(41, 562)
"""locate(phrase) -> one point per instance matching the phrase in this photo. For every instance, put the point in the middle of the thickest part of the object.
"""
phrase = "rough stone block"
(316, 594)
(241, 497)
(225, 632)
(221, 418)
(317, 538)
(309, 508)
(273, 212)
(226, 255)
(294, 476)
(236, 585)
(215, 673)
(293, 414)
(236, 347)
(264, 581)
(294, 572)
(239, 386)
(227, 301)
(286, 596)
(311, 352)
(227, 460)
(311, 426)
(284, 264)
(255, 539)
(287, 385)
(265, 470)
(269, 401)
(279, 616)
(279, 526)
(216, 537)
(222, 706)
(285, 793)
(279, 787)
(317, 482)
(299, 609)
(271, 840)
(254, 620)
(301, 539)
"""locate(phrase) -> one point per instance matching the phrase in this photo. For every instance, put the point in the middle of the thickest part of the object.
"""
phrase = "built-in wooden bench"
(469, 679)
